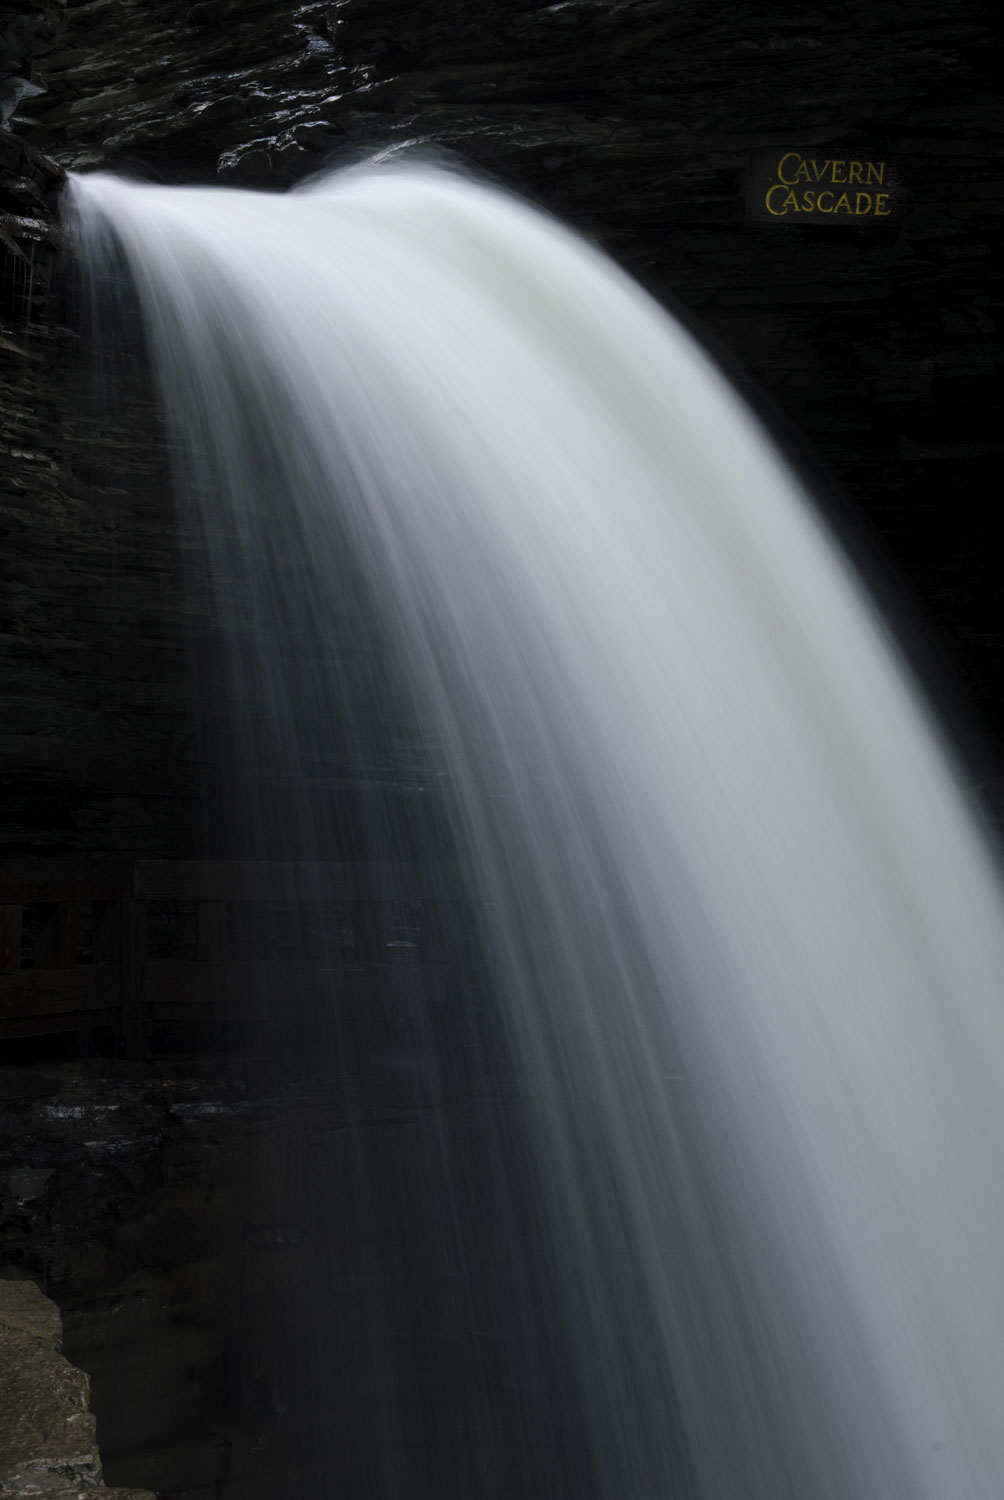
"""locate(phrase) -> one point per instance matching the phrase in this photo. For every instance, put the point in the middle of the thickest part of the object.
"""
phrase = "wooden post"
(132, 963)
(56, 938)
(105, 932)
(120, 944)
(10, 939)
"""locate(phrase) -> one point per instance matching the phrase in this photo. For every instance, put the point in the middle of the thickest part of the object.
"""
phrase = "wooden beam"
(57, 1025)
(177, 983)
(28, 880)
(306, 881)
(54, 991)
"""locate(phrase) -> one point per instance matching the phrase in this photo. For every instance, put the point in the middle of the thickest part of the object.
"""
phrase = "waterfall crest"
(743, 939)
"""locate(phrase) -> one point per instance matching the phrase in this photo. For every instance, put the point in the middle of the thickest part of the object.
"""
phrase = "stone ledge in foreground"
(47, 1443)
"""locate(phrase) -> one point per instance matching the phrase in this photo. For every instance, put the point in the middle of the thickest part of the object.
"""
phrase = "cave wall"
(874, 352)
(93, 747)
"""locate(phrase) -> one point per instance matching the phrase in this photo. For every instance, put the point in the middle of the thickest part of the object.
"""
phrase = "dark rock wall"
(92, 748)
(874, 352)
(200, 1231)
(124, 1190)
(93, 646)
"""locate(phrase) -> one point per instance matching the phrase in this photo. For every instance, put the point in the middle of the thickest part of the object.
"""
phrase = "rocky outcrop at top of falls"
(29, 180)
(874, 351)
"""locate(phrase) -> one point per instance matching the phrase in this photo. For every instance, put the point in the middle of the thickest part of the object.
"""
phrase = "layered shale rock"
(874, 351)
(47, 1442)
(91, 737)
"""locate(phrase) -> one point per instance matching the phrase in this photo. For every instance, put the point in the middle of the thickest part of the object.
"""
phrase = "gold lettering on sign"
(794, 169)
(791, 156)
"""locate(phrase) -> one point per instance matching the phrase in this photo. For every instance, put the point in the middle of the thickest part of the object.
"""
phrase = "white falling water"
(747, 940)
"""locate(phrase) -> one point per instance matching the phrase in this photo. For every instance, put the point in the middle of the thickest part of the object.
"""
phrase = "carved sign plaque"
(823, 185)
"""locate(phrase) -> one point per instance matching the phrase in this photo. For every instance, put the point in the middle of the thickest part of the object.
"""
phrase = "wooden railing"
(82, 943)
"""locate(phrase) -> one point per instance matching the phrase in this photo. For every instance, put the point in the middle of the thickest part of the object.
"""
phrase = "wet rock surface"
(208, 1236)
(92, 627)
(47, 1441)
(120, 1189)
(874, 352)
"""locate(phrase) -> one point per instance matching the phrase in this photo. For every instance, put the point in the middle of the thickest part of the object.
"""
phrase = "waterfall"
(740, 935)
